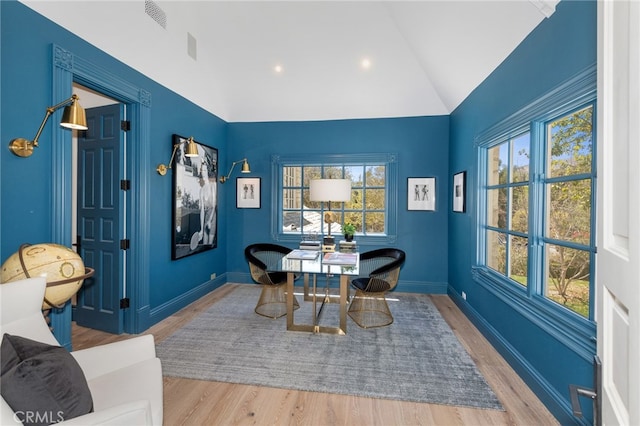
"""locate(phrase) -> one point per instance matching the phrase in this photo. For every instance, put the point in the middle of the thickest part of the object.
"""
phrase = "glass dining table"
(311, 269)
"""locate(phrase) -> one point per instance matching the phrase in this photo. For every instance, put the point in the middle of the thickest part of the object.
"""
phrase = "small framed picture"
(248, 193)
(421, 193)
(459, 184)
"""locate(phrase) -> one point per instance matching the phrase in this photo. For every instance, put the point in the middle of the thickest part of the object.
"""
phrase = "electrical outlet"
(213, 276)
(464, 295)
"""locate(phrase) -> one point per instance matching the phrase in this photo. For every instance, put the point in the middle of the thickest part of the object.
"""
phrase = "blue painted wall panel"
(558, 49)
(422, 148)
(25, 197)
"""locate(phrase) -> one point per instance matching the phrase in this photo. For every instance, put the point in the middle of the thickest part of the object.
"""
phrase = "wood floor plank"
(196, 402)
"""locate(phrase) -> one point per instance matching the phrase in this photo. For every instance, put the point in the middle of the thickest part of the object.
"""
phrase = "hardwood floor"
(196, 402)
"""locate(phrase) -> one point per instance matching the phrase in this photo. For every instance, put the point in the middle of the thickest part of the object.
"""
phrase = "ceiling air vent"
(157, 14)
(192, 47)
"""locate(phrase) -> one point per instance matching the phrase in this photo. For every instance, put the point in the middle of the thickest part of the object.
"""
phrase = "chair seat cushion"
(42, 382)
(375, 285)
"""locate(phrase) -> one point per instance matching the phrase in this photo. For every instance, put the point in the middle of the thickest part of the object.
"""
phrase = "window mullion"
(536, 209)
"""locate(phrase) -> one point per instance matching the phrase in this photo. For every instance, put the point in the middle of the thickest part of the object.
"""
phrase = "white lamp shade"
(330, 190)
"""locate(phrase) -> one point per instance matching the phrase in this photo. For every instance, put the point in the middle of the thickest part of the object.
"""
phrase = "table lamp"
(328, 190)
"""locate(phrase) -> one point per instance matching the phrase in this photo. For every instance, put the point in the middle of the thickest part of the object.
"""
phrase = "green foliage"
(569, 215)
(348, 228)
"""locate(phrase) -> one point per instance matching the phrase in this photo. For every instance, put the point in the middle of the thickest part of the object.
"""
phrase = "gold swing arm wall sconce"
(245, 169)
(190, 151)
(73, 117)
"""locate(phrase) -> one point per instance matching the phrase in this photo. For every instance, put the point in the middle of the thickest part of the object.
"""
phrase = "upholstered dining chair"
(379, 273)
(272, 302)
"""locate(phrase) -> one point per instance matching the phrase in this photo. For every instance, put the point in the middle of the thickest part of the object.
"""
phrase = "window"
(371, 208)
(507, 208)
(568, 188)
(536, 206)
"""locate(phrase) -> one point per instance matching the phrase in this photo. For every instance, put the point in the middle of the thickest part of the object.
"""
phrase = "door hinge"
(124, 303)
(125, 125)
(125, 184)
(124, 244)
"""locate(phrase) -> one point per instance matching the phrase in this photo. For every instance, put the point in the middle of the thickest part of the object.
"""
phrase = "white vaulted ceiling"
(425, 56)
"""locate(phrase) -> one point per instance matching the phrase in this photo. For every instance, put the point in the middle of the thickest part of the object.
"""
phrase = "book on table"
(303, 254)
(338, 258)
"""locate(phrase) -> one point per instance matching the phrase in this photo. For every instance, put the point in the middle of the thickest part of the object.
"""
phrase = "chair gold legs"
(273, 301)
(370, 310)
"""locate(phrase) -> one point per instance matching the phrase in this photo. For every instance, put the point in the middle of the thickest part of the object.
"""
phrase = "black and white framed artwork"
(248, 193)
(421, 193)
(195, 200)
(459, 190)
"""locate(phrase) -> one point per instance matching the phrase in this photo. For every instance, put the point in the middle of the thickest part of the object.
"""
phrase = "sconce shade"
(192, 149)
(245, 167)
(330, 190)
(74, 117)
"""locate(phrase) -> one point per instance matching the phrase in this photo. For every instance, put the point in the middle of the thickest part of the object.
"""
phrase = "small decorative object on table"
(328, 248)
(348, 246)
(337, 258)
(303, 254)
(310, 241)
(348, 229)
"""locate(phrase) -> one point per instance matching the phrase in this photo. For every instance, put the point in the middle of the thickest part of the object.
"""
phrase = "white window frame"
(278, 162)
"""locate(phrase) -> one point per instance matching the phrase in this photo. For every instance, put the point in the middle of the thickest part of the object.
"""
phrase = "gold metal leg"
(315, 327)
(344, 290)
(290, 279)
(307, 296)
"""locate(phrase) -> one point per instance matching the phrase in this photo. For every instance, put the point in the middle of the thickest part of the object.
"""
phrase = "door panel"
(618, 258)
(100, 220)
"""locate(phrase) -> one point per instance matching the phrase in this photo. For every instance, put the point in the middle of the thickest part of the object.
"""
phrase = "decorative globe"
(62, 268)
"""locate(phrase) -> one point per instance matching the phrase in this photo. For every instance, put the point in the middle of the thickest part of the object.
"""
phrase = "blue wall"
(422, 147)
(26, 184)
(558, 49)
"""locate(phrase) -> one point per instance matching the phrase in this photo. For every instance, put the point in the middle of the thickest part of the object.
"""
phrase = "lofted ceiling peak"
(308, 60)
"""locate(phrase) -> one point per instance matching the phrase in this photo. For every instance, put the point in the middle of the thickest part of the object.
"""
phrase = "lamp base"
(328, 248)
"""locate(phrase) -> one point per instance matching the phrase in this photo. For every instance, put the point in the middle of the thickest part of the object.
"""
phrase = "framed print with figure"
(247, 193)
(421, 193)
(459, 183)
(195, 200)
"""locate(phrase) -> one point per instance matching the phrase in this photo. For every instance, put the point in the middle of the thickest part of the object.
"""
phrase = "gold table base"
(342, 299)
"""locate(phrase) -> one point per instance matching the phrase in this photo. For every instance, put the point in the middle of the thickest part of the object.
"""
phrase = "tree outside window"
(507, 207)
(569, 199)
(366, 209)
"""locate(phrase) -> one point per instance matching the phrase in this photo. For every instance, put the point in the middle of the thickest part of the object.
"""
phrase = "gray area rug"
(417, 358)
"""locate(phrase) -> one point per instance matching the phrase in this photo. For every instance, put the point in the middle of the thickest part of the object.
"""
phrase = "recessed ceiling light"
(278, 69)
(365, 64)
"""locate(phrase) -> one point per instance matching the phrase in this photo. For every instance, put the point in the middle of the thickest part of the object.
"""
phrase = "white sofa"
(124, 378)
